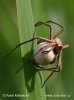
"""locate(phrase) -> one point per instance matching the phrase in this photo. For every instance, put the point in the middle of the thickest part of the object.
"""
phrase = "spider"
(47, 51)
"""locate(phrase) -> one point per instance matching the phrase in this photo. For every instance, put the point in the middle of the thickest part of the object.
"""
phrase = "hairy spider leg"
(44, 23)
(38, 38)
(47, 79)
(56, 69)
(29, 60)
(62, 28)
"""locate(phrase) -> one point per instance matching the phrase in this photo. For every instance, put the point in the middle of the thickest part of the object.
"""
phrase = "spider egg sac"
(43, 54)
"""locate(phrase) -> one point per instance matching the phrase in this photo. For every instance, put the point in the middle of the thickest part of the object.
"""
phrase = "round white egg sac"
(41, 57)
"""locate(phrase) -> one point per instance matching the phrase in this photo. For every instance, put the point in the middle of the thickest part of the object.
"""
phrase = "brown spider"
(47, 51)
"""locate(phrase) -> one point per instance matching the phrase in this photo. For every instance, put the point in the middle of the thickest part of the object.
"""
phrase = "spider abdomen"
(43, 54)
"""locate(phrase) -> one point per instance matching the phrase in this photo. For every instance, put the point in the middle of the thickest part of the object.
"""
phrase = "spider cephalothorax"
(47, 51)
(58, 46)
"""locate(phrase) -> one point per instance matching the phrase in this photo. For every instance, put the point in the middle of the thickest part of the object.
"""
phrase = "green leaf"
(32, 86)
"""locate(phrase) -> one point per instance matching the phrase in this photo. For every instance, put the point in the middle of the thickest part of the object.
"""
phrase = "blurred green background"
(61, 11)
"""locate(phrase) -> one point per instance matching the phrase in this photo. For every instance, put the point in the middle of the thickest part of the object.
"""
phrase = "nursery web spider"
(47, 51)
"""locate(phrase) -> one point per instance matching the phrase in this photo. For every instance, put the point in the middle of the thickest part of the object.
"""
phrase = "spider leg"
(35, 65)
(65, 46)
(38, 38)
(56, 69)
(47, 79)
(44, 23)
(62, 28)
(31, 62)
(59, 62)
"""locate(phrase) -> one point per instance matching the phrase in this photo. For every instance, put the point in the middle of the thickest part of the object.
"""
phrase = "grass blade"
(26, 31)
